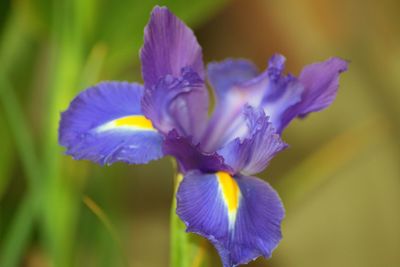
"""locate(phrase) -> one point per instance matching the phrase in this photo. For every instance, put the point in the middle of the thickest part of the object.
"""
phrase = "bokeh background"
(340, 180)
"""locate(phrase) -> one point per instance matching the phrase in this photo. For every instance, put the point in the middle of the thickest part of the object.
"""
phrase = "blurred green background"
(340, 180)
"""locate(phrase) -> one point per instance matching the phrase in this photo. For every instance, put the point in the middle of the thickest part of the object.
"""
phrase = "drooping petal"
(177, 103)
(271, 90)
(320, 82)
(190, 157)
(241, 216)
(228, 73)
(105, 124)
(172, 68)
(252, 154)
(169, 46)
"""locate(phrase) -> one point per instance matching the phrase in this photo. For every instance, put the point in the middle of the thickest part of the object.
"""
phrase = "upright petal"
(228, 73)
(320, 82)
(177, 103)
(241, 216)
(251, 154)
(105, 124)
(283, 91)
(169, 46)
(172, 67)
(271, 90)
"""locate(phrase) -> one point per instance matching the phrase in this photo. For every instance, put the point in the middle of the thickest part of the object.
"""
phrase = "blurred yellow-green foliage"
(340, 181)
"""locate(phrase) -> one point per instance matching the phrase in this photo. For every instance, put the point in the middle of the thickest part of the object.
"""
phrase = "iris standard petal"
(271, 90)
(105, 124)
(252, 154)
(176, 103)
(169, 46)
(228, 73)
(241, 216)
(281, 93)
(320, 82)
(172, 67)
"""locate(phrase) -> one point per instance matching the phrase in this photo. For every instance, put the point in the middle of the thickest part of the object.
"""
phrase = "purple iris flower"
(218, 198)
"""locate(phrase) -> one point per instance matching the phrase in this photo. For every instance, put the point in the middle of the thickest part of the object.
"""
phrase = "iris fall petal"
(105, 124)
(240, 215)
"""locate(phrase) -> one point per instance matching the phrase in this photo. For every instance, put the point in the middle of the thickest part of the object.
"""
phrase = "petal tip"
(277, 61)
(338, 63)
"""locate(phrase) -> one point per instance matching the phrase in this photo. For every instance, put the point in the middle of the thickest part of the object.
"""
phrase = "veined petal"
(253, 153)
(320, 82)
(178, 103)
(271, 91)
(169, 46)
(283, 91)
(173, 74)
(240, 215)
(228, 73)
(105, 124)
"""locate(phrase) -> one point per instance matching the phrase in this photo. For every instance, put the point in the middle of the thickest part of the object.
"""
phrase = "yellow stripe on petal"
(133, 122)
(138, 121)
(230, 193)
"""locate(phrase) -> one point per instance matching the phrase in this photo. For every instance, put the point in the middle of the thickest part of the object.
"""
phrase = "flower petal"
(283, 91)
(241, 216)
(177, 103)
(252, 154)
(271, 90)
(105, 124)
(190, 157)
(172, 68)
(228, 73)
(320, 82)
(169, 46)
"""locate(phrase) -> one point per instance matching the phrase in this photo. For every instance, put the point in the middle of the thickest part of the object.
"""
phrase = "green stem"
(175, 229)
(186, 249)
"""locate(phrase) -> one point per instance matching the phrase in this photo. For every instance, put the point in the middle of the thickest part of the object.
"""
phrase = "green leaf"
(6, 157)
(19, 234)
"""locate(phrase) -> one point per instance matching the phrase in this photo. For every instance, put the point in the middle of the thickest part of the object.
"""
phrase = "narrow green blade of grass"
(104, 219)
(21, 225)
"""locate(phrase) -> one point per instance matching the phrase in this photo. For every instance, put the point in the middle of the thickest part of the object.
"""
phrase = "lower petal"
(241, 216)
(105, 124)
